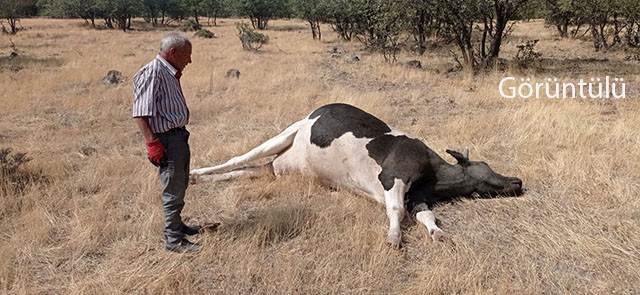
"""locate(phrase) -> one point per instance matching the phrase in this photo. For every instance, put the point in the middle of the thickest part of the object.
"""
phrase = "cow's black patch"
(401, 158)
(338, 119)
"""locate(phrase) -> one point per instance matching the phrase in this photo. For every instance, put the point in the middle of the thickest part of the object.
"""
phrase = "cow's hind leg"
(426, 217)
(248, 172)
(273, 146)
(394, 203)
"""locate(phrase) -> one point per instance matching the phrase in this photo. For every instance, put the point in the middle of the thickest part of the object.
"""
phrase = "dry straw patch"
(95, 226)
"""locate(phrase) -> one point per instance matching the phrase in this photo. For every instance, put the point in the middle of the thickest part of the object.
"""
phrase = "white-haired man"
(161, 113)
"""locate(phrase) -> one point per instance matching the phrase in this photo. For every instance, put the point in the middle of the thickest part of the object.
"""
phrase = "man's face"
(181, 57)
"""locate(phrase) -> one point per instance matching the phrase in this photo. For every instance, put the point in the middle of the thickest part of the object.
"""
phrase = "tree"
(599, 14)
(457, 20)
(379, 24)
(560, 13)
(260, 12)
(13, 10)
(459, 17)
(120, 12)
(194, 8)
(342, 14)
(213, 9)
(631, 12)
(421, 20)
(154, 10)
(314, 12)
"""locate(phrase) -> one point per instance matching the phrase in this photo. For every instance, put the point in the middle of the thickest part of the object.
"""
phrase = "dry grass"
(95, 226)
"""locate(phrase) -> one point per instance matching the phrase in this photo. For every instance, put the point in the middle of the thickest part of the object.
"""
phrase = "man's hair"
(173, 40)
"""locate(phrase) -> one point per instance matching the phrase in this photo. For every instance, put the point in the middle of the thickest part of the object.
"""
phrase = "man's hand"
(156, 152)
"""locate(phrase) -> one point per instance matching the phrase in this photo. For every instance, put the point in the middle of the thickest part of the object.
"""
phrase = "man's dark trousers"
(174, 175)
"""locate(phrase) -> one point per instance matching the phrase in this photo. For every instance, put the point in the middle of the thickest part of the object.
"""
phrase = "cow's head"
(483, 180)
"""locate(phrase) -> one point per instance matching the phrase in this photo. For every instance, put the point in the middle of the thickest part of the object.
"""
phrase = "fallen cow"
(342, 145)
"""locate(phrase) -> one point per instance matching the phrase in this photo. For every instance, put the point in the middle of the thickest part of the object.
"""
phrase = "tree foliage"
(609, 22)
(314, 12)
(476, 27)
(260, 12)
(13, 10)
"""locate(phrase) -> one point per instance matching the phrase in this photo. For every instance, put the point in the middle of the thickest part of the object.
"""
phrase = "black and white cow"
(344, 146)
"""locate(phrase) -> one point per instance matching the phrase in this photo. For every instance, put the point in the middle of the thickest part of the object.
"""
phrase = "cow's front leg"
(426, 217)
(394, 203)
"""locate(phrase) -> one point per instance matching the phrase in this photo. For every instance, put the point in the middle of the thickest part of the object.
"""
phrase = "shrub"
(205, 34)
(191, 25)
(527, 56)
(251, 40)
(13, 177)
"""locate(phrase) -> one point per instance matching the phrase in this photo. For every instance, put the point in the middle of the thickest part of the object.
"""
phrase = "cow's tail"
(273, 146)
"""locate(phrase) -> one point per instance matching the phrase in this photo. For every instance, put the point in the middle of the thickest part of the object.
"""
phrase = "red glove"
(156, 152)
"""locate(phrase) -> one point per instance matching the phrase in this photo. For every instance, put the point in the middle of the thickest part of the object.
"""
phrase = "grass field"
(89, 221)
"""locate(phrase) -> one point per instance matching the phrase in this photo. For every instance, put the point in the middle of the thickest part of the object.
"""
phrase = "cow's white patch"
(345, 162)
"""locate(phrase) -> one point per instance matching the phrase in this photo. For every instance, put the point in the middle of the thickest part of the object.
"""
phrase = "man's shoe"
(191, 230)
(183, 247)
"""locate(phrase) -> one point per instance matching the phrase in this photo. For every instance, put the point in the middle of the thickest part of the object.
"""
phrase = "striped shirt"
(158, 95)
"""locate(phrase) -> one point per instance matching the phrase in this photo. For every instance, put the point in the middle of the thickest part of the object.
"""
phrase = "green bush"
(251, 40)
(527, 56)
(205, 34)
(191, 25)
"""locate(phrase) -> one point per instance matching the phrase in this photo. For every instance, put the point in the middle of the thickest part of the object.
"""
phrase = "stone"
(352, 58)
(113, 77)
(414, 64)
(233, 73)
(88, 151)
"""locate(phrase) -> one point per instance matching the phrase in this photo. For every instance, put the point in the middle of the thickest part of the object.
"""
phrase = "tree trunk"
(616, 30)
(484, 38)
(108, 23)
(563, 28)
(596, 38)
(421, 34)
(122, 23)
(577, 30)
(496, 40)
(603, 35)
(463, 39)
(313, 29)
(12, 24)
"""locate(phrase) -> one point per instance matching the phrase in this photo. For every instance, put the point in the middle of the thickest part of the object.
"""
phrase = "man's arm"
(143, 124)
(154, 147)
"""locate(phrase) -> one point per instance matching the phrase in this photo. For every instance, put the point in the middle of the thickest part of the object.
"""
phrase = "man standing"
(161, 113)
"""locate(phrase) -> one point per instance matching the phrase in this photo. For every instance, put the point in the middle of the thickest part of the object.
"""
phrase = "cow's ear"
(463, 159)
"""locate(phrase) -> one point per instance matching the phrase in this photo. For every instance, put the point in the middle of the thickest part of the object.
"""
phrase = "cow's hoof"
(394, 241)
(438, 236)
